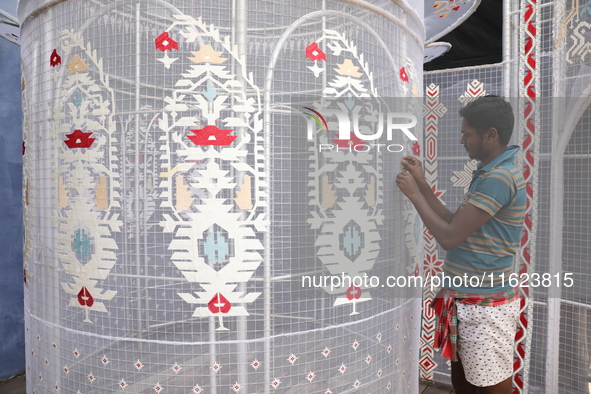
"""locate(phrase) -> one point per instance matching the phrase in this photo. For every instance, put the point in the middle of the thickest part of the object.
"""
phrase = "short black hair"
(490, 111)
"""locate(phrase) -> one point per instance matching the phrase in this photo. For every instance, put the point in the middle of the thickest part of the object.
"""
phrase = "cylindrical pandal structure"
(177, 194)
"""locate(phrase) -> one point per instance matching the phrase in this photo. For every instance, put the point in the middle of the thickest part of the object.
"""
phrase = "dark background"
(475, 42)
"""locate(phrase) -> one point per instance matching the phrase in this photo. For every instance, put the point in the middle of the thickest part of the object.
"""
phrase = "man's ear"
(491, 134)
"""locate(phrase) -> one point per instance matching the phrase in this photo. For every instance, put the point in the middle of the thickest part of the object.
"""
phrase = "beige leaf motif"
(328, 195)
(370, 192)
(77, 64)
(348, 68)
(63, 193)
(184, 200)
(206, 54)
(100, 197)
(243, 195)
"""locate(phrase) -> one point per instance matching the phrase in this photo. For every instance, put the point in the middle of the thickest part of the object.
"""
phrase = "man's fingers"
(411, 161)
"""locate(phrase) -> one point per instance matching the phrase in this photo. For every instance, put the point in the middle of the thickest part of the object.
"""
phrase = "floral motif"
(77, 64)
(206, 54)
(165, 43)
(292, 358)
(403, 74)
(79, 139)
(212, 135)
(219, 304)
(348, 68)
(314, 53)
(25, 276)
(353, 292)
(275, 383)
(416, 148)
(55, 59)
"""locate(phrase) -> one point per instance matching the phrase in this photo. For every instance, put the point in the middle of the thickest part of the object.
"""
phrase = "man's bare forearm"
(434, 202)
(435, 223)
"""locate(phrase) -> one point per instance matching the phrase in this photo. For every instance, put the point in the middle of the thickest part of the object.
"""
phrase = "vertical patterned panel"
(209, 129)
(433, 110)
(530, 145)
(86, 180)
(348, 242)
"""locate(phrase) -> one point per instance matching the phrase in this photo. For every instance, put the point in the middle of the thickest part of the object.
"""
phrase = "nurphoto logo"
(358, 125)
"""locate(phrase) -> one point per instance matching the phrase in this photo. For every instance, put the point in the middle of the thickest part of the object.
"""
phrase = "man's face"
(473, 143)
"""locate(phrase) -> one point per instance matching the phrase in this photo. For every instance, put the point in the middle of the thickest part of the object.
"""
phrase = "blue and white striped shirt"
(498, 189)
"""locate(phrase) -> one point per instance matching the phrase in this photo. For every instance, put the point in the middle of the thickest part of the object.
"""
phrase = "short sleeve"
(495, 190)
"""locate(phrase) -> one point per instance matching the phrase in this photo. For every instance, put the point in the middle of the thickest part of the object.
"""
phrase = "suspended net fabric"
(168, 220)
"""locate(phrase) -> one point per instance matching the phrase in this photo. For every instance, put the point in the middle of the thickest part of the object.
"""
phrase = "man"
(482, 238)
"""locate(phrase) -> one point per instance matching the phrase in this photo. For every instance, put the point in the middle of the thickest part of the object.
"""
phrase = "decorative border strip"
(433, 110)
(529, 123)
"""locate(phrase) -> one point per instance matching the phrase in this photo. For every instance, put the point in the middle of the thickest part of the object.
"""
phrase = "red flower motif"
(79, 139)
(403, 74)
(314, 53)
(211, 135)
(416, 148)
(54, 59)
(219, 304)
(353, 292)
(84, 297)
(165, 43)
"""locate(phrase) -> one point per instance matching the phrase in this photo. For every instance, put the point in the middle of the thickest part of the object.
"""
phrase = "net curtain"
(159, 194)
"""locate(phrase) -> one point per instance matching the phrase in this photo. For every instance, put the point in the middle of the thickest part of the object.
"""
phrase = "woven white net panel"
(163, 203)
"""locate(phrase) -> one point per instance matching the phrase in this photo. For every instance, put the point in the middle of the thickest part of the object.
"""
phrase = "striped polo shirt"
(498, 189)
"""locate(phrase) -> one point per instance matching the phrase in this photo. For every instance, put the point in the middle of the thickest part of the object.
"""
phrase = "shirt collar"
(507, 154)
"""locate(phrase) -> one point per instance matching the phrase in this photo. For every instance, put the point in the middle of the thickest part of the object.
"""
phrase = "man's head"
(487, 126)
(489, 112)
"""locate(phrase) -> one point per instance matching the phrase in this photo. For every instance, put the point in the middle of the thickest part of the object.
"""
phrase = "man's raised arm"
(415, 168)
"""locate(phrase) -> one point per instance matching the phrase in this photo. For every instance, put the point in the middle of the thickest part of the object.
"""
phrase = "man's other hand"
(414, 167)
(407, 184)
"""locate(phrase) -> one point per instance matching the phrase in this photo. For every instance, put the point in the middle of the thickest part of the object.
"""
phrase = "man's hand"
(407, 184)
(414, 168)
